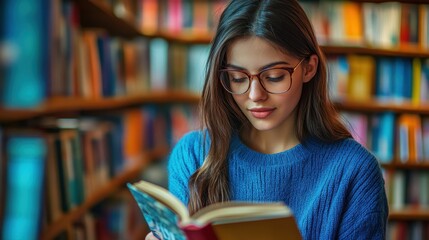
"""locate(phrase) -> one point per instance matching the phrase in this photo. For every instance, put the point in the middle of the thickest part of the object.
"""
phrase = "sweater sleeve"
(365, 216)
(183, 161)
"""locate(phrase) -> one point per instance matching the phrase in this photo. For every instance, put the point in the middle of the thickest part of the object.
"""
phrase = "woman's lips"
(261, 113)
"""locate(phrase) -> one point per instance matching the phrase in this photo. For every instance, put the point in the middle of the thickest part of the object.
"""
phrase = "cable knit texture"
(336, 190)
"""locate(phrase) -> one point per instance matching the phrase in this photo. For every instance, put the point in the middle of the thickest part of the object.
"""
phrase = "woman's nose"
(256, 91)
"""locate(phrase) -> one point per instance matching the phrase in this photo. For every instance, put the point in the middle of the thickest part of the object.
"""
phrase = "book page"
(240, 211)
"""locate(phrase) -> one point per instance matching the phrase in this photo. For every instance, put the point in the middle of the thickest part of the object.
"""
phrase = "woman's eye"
(274, 78)
(238, 80)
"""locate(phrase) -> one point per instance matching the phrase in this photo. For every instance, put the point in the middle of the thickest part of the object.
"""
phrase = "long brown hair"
(285, 24)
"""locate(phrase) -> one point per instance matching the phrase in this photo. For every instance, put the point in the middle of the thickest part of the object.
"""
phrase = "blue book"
(26, 157)
(25, 33)
(402, 79)
(408, 80)
(383, 132)
(384, 80)
(108, 76)
(197, 58)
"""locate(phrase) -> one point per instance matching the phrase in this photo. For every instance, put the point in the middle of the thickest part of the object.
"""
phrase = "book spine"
(194, 232)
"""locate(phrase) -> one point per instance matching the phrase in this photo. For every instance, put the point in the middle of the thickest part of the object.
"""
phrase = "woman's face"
(266, 111)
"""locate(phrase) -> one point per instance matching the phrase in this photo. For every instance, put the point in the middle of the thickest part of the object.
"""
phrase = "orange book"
(410, 138)
(149, 16)
(90, 39)
(201, 17)
(130, 68)
(134, 141)
(353, 21)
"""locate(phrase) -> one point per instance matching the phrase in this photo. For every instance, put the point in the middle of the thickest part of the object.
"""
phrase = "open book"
(168, 217)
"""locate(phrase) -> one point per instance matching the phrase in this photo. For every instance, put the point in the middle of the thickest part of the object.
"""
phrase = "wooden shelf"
(409, 214)
(94, 14)
(401, 1)
(405, 51)
(396, 164)
(62, 105)
(377, 106)
(51, 231)
(183, 37)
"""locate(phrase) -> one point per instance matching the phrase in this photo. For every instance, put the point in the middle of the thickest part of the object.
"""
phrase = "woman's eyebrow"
(261, 68)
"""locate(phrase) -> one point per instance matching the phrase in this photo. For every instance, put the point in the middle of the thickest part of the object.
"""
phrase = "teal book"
(25, 156)
(24, 34)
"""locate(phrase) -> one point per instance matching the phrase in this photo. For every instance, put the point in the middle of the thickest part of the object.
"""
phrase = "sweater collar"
(298, 153)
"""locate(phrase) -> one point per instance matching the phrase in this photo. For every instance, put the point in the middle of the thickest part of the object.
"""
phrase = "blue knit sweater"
(336, 190)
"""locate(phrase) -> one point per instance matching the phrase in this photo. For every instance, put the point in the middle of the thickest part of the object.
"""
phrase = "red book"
(199, 232)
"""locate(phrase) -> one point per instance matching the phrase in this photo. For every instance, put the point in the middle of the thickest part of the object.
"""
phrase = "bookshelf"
(63, 105)
(112, 187)
(95, 14)
(409, 212)
(98, 16)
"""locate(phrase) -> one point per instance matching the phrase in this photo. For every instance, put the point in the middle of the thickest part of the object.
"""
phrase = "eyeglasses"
(273, 80)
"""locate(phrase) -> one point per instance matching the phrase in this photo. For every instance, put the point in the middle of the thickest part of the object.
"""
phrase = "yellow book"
(417, 77)
(361, 77)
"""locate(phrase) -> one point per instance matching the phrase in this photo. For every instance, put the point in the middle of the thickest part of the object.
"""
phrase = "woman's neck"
(269, 142)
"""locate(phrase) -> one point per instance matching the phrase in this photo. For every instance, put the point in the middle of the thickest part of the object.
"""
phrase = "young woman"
(271, 133)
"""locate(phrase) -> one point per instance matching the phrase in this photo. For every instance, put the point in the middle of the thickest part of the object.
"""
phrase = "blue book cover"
(161, 220)
(24, 34)
(25, 173)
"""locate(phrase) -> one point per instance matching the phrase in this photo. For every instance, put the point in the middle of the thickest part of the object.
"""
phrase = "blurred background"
(95, 93)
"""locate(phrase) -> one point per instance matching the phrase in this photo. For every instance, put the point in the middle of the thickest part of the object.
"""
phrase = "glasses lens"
(235, 81)
(276, 80)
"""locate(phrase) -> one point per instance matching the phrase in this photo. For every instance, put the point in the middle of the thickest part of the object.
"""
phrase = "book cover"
(161, 220)
(168, 217)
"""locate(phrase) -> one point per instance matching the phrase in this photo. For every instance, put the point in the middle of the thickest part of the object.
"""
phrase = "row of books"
(378, 132)
(169, 16)
(407, 189)
(116, 218)
(65, 60)
(407, 230)
(382, 25)
(392, 79)
(61, 161)
(178, 16)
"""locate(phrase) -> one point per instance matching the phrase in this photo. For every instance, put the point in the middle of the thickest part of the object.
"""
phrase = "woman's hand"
(150, 236)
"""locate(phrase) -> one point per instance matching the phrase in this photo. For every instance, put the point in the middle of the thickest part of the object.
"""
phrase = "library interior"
(95, 93)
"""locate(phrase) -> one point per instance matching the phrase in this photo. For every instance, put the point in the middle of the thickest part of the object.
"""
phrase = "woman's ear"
(310, 68)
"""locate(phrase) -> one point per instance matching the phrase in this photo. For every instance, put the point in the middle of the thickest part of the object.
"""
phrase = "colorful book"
(25, 154)
(168, 218)
(361, 78)
(24, 33)
(383, 132)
